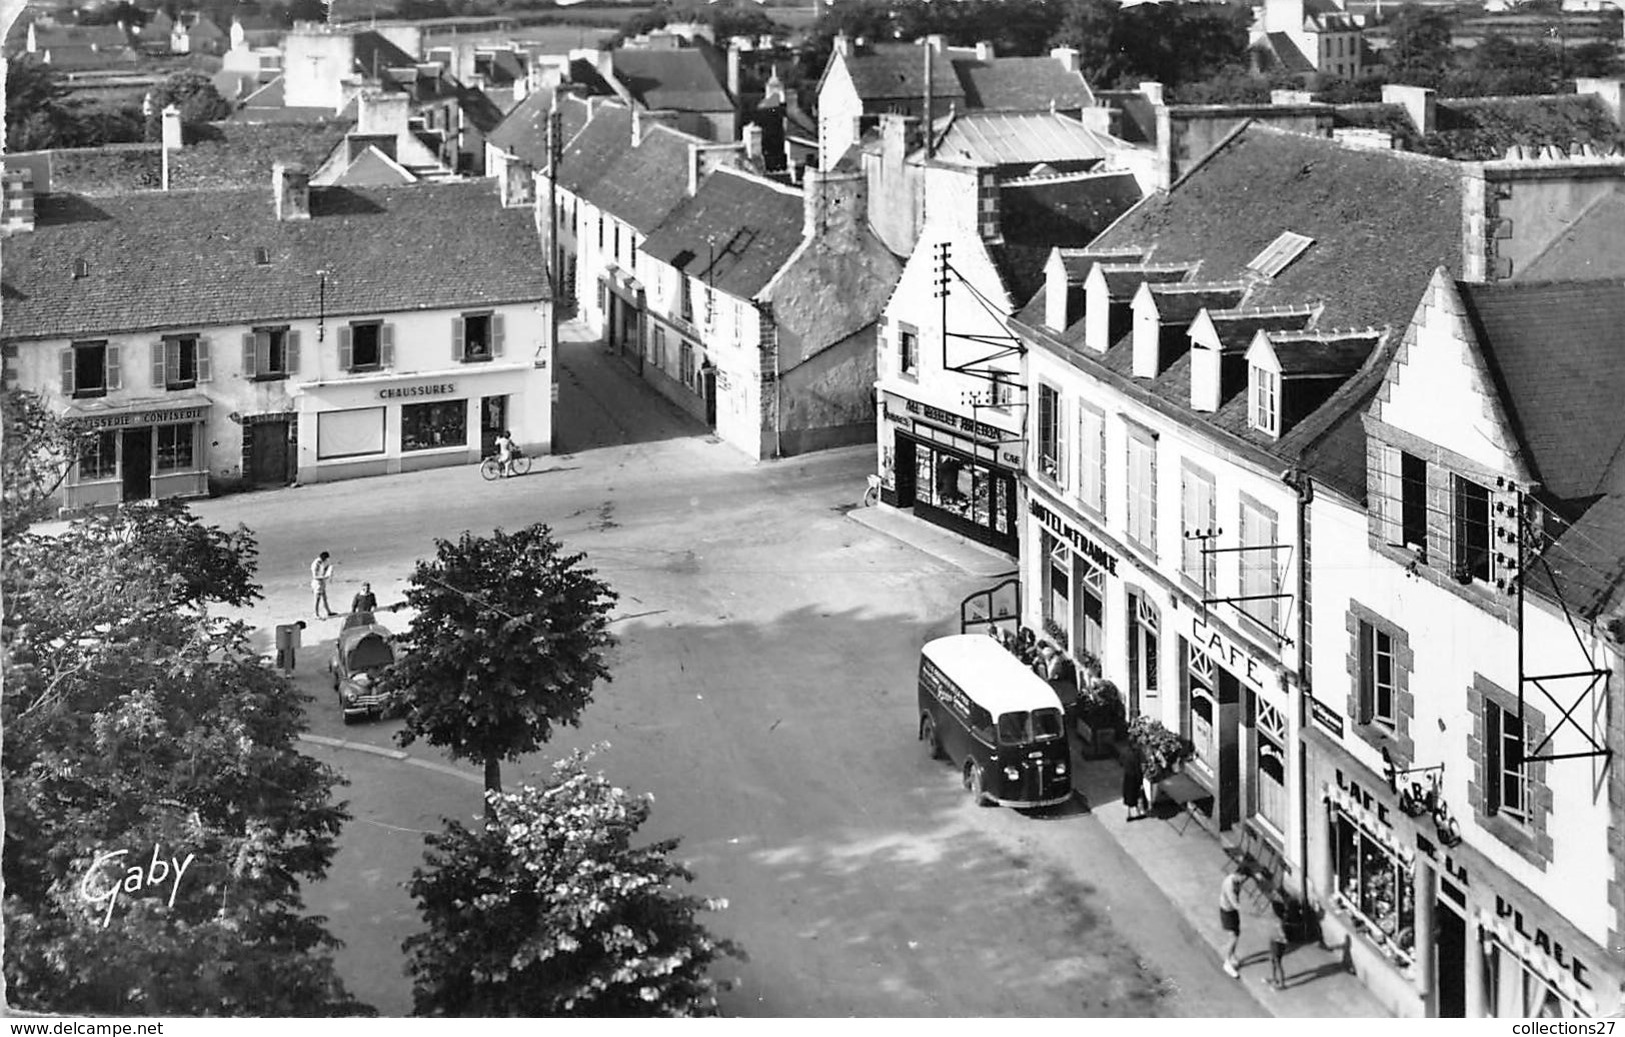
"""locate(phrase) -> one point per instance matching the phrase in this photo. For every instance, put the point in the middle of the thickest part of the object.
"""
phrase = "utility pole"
(555, 149)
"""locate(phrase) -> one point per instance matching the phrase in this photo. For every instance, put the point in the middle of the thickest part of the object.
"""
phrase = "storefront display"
(1373, 882)
(430, 426)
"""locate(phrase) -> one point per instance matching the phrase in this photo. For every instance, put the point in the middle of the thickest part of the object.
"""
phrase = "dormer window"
(1266, 400)
(1280, 253)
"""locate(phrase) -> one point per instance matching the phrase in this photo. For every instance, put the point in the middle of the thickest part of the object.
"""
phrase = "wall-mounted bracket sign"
(1414, 800)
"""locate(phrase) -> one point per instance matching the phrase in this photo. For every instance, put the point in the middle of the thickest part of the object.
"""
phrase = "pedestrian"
(1230, 916)
(321, 571)
(1278, 943)
(1134, 785)
(505, 453)
(366, 601)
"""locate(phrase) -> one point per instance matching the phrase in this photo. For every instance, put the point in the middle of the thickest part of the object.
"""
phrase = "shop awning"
(1541, 964)
(169, 409)
(1368, 822)
(623, 284)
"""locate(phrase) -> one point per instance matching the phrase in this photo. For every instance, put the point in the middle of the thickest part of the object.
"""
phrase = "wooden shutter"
(114, 374)
(204, 364)
(160, 370)
(346, 349)
(1492, 757)
(290, 351)
(67, 371)
(496, 334)
(172, 357)
(386, 345)
(251, 366)
(457, 338)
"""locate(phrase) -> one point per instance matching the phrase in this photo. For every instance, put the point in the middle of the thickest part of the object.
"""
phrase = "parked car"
(364, 650)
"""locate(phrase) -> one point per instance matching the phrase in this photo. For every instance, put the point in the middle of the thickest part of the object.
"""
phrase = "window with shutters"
(1505, 781)
(180, 362)
(1199, 522)
(1092, 458)
(1142, 489)
(366, 346)
(270, 353)
(1050, 441)
(908, 350)
(477, 337)
(1260, 576)
(1379, 677)
(90, 369)
(98, 455)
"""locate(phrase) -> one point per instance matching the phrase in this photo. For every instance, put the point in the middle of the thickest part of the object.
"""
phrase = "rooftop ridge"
(1196, 287)
(754, 177)
(1238, 313)
(1078, 176)
(1332, 143)
(1323, 334)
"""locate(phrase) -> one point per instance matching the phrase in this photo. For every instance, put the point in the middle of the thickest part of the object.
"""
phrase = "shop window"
(1199, 522)
(270, 353)
(1270, 766)
(966, 489)
(1050, 444)
(476, 337)
(1260, 575)
(98, 456)
(1471, 526)
(1144, 655)
(349, 433)
(90, 369)
(1517, 991)
(1091, 583)
(1091, 458)
(180, 362)
(1379, 703)
(1504, 778)
(1142, 490)
(1373, 885)
(430, 426)
(176, 446)
(1057, 603)
(1202, 727)
(908, 350)
(366, 346)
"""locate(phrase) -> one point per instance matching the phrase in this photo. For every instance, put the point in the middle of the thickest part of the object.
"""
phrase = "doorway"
(1450, 955)
(268, 453)
(493, 419)
(137, 464)
(708, 377)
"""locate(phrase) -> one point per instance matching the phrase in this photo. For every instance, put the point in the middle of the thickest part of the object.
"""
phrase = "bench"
(1257, 856)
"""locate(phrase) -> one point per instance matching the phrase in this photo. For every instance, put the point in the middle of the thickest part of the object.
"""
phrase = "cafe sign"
(148, 417)
(1227, 652)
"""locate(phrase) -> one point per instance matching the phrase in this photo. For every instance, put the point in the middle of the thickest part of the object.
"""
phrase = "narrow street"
(764, 692)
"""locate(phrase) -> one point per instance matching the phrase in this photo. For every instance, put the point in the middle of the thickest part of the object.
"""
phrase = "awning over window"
(169, 409)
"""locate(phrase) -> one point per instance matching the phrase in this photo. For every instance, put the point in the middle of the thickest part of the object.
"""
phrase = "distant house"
(157, 35)
(249, 31)
(79, 46)
(1304, 37)
(201, 36)
(861, 83)
(699, 83)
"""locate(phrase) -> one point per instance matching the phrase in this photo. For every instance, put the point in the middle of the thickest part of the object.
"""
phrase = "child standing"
(1278, 943)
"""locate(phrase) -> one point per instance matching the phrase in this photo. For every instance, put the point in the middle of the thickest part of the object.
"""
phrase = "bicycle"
(871, 493)
(491, 468)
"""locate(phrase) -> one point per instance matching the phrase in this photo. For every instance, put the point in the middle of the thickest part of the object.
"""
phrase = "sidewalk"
(1186, 862)
(975, 559)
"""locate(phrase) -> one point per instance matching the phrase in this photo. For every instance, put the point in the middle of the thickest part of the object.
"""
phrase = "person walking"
(366, 601)
(1278, 943)
(1134, 785)
(1230, 917)
(321, 572)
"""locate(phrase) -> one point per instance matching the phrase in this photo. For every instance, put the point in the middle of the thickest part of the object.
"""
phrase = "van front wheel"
(933, 744)
(973, 782)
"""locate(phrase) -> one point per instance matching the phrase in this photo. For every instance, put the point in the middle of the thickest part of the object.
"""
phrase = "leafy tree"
(550, 910)
(508, 640)
(1090, 28)
(37, 450)
(138, 725)
(38, 112)
(194, 94)
(113, 14)
(1419, 52)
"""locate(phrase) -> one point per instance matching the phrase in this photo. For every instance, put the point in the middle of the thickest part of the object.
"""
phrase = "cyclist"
(506, 452)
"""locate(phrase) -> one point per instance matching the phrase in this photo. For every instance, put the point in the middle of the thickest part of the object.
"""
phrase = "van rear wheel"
(973, 782)
(933, 744)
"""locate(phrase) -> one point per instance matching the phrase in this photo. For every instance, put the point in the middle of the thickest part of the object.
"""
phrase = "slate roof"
(1310, 354)
(647, 182)
(1178, 302)
(1021, 84)
(230, 155)
(1287, 53)
(897, 70)
(827, 294)
(594, 151)
(523, 131)
(1370, 259)
(754, 226)
(1019, 138)
(205, 29)
(186, 258)
(1558, 350)
(104, 36)
(1039, 213)
(1589, 247)
(678, 80)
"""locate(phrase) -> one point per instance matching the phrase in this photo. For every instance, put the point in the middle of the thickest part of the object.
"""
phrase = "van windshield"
(1041, 725)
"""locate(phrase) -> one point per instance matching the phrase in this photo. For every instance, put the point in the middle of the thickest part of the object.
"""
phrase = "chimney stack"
(171, 136)
(984, 51)
(1068, 57)
(833, 205)
(843, 45)
(290, 188)
(733, 71)
(936, 41)
(517, 183)
(18, 195)
(1419, 102)
(752, 136)
(1152, 91)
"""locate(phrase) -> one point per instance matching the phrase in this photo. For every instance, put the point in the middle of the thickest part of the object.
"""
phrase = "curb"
(987, 565)
(392, 754)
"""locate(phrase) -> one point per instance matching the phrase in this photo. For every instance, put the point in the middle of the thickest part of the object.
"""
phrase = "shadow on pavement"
(604, 402)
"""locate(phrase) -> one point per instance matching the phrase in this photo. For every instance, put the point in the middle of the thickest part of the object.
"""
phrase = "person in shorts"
(1230, 917)
(1278, 943)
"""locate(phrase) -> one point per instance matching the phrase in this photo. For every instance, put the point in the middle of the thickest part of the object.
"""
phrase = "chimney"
(517, 184)
(1608, 91)
(1419, 102)
(1205, 382)
(290, 189)
(171, 136)
(1152, 91)
(378, 112)
(733, 71)
(17, 192)
(773, 92)
(843, 45)
(1057, 312)
(988, 224)
(693, 170)
(935, 42)
(984, 51)
(752, 136)
(1068, 57)
(833, 205)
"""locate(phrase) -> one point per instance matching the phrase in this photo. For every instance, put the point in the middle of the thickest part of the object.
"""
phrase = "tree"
(1419, 52)
(37, 450)
(38, 112)
(508, 640)
(550, 910)
(143, 734)
(1090, 28)
(194, 94)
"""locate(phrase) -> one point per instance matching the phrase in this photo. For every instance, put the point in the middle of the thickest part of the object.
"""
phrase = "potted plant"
(1162, 752)
(1100, 717)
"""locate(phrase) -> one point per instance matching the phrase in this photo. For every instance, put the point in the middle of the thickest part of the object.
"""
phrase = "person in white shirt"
(505, 452)
(321, 572)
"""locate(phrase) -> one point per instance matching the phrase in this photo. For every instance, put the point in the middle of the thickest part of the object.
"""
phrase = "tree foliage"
(137, 725)
(551, 910)
(38, 112)
(508, 641)
(37, 450)
(194, 94)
